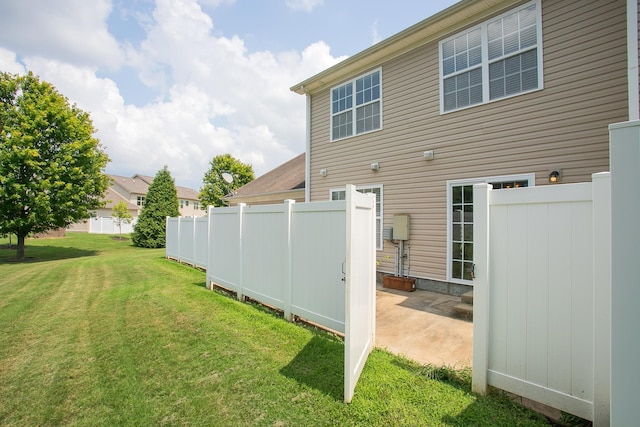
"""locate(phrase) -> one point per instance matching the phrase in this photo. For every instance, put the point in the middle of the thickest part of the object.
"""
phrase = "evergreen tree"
(161, 202)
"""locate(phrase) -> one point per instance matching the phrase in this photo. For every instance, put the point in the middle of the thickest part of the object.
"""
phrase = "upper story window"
(341, 194)
(355, 106)
(140, 200)
(499, 58)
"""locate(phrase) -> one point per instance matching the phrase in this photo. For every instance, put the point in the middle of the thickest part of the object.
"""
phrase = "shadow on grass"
(484, 410)
(43, 253)
(319, 365)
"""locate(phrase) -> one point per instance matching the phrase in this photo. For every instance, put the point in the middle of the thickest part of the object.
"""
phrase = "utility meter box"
(401, 227)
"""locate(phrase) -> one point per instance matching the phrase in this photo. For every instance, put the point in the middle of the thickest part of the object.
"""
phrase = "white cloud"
(305, 5)
(71, 30)
(213, 97)
(9, 62)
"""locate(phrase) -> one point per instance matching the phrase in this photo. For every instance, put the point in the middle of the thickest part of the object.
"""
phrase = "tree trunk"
(20, 251)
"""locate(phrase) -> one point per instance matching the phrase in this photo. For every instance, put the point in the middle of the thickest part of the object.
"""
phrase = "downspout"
(307, 137)
(633, 84)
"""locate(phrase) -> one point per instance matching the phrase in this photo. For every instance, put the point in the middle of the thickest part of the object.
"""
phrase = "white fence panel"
(318, 264)
(360, 316)
(534, 311)
(107, 225)
(172, 246)
(186, 239)
(201, 246)
(265, 254)
(224, 265)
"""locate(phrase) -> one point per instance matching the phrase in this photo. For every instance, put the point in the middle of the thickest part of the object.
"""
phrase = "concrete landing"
(422, 326)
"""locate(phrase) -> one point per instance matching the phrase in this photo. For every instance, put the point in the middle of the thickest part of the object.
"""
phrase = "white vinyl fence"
(314, 261)
(107, 225)
(188, 240)
(541, 294)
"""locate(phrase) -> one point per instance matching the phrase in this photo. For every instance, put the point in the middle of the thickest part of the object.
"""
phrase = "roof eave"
(432, 28)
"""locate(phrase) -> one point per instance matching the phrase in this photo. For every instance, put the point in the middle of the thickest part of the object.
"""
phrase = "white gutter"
(307, 160)
(632, 60)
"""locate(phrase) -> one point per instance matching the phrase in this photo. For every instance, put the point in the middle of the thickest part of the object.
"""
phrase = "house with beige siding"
(512, 93)
(133, 191)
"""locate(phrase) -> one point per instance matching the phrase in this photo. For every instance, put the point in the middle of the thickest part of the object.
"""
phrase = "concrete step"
(464, 311)
(467, 298)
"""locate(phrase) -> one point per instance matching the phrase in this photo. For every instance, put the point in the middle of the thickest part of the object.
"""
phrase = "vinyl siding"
(565, 126)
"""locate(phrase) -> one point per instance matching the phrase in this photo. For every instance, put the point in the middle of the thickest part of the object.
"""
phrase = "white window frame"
(379, 216)
(354, 107)
(531, 182)
(140, 200)
(485, 62)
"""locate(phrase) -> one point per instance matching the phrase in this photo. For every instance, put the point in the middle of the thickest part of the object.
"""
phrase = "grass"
(96, 332)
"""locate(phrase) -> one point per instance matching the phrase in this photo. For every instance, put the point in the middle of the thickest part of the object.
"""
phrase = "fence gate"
(360, 303)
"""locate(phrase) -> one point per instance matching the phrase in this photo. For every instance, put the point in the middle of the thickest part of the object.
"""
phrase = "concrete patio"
(421, 326)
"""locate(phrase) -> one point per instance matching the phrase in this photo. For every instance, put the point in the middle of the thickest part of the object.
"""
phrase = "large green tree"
(216, 186)
(51, 165)
(161, 202)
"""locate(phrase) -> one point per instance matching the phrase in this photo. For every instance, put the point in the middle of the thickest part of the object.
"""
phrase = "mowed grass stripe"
(121, 336)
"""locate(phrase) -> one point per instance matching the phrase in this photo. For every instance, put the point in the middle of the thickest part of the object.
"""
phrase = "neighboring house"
(287, 181)
(133, 192)
(513, 93)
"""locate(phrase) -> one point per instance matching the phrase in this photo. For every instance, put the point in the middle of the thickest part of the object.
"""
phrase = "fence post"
(601, 297)
(209, 266)
(481, 283)
(240, 292)
(625, 292)
(288, 207)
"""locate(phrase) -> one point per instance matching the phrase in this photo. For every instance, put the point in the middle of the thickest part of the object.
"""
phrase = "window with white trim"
(499, 58)
(340, 194)
(460, 214)
(140, 200)
(356, 106)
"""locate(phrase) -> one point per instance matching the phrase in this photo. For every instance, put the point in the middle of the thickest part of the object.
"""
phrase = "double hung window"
(339, 194)
(356, 106)
(499, 58)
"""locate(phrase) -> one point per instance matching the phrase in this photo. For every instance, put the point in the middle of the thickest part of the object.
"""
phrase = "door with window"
(460, 241)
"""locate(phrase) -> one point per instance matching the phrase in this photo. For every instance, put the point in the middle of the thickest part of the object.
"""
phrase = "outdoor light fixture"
(375, 166)
(323, 172)
(554, 176)
(428, 155)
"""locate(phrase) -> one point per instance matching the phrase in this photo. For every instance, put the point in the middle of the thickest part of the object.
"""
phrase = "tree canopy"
(161, 201)
(51, 165)
(216, 187)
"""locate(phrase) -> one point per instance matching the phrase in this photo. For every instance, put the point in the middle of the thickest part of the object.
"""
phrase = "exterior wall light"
(323, 172)
(554, 176)
(428, 155)
(375, 166)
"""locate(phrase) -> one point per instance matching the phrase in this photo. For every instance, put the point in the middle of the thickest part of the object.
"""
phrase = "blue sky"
(177, 82)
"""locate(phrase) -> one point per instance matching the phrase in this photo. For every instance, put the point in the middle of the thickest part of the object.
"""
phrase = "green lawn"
(96, 332)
